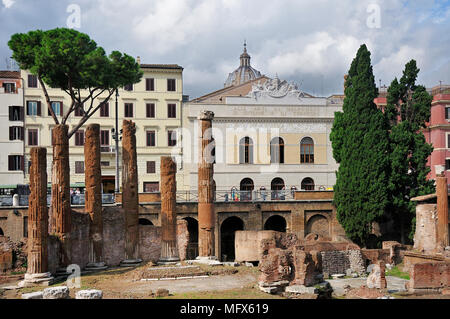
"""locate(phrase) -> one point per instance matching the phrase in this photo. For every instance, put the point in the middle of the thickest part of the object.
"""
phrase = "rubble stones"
(162, 292)
(377, 278)
(89, 294)
(60, 292)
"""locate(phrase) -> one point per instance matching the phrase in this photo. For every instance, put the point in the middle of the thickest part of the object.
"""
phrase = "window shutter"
(11, 133)
(22, 133)
(11, 115)
(22, 163)
(39, 108)
(10, 162)
(241, 153)
(21, 113)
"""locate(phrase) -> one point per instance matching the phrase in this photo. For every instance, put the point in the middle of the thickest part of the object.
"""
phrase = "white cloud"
(8, 3)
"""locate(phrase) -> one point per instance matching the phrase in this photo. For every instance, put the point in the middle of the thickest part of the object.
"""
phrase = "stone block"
(60, 292)
(162, 292)
(301, 289)
(89, 294)
(33, 295)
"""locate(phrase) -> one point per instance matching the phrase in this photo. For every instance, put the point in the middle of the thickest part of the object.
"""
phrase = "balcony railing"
(7, 200)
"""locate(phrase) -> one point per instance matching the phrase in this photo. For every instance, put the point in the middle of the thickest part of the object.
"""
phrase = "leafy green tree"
(69, 60)
(360, 145)
(407, 111)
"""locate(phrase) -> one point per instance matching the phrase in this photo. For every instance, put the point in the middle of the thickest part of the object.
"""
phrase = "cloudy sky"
(310, 42)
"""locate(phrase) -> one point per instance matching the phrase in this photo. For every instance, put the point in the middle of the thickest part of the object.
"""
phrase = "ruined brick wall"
(6, 255)
(150, 242)
(80, 238)
(431, 275)
(337, 262)
(373, 255)
(182, 238)
(113, 235)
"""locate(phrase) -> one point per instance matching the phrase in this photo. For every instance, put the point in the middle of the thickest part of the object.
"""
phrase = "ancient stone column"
(442, 212)
(37, 270)
(206, 217)
(169, 250)
(130, 199)
(93, 195)
(60, 206)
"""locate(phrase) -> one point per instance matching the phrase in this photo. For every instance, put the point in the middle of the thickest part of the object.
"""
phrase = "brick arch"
(153, 219)
(276, 222)
(1, 232)
(145, 221)
(318, 224)
(228, 228)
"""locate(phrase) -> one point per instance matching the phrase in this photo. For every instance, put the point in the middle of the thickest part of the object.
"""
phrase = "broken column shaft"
(130, 200)
(93, 194)
(206, 217)
(442, 212)
(60, 205)
(169, 250)
(37, 260)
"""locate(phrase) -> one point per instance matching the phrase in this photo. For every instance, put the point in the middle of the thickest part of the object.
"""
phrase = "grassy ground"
(397, 271)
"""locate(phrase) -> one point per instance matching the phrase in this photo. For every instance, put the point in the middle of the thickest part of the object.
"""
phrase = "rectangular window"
(448, 140)
(151, 138)
(15, 162)
(104, 110)
(128, 87)
(57, 108)
(34, 108)
(104, 137)
(151, 187)
(9, 87)
(128, 110)
(15, 113)
(171, 138)
(16, 133)
(150, 110)
(79, 138)
(104, 164)
(79, 111)
(32, 137)
(447, 164)
(447, 113)
(171, 111)
(149, 84)
(171, 85)
(25, 226)
(79, 167)
(32, 81)
(151, 167)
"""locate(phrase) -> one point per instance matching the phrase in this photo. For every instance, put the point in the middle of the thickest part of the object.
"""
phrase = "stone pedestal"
(37, 271)
(169, 250)
(93, 196)
(60, 220)
(130, 200)
(206, 215)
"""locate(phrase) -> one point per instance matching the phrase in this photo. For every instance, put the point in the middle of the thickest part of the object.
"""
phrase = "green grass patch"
(396, 272)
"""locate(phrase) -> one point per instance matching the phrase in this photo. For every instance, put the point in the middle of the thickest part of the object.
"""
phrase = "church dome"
(244, 72)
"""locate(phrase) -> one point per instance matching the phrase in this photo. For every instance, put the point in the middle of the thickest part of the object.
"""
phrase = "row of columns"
(38, 225)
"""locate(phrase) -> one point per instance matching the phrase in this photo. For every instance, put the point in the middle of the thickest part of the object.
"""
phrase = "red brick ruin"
(37, 269)
(169, 250)
(206, 217)
(60, 221)
(93, 194)
(130, 201)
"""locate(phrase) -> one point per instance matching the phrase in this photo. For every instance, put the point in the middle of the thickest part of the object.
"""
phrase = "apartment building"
(154, 104)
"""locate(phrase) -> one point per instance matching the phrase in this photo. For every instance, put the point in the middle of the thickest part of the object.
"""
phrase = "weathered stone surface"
(60, 213)
(169, 250)
(339, 261)
(442, 213)
(182, 238)
(6, 253)
(130, 201)
(93, 192)
(206, 216)
(304, 268)
(376, 278)
(426, 228)
(364, 293)
(79, 237)
(60, 292)
(301, 289)
(33, 295)
(161, 292)
(89, 294)
(38, 213)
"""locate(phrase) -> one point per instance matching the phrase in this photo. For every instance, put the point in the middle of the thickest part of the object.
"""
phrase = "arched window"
(246, 150)
(277, 189)
(307, 150)
(246, 188)
(277, 150)
(308, 184)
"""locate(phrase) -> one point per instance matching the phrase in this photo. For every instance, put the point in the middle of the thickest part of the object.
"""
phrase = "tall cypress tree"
(407, 111)
(360, 145)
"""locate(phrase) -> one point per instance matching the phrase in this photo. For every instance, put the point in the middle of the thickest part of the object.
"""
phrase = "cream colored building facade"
(268, 135)
(161, 86)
